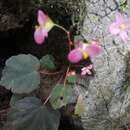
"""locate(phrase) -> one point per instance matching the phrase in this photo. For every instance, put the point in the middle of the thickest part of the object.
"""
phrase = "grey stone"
(107, 106)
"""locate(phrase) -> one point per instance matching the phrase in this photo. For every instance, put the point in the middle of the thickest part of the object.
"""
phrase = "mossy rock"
(69, 13)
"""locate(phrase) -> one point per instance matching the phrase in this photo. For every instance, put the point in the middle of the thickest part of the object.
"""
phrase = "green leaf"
(47, 62)
(80, 106)
(15, 98)
(21, 74)
(61, 95)
(72, 79)
(30, 114)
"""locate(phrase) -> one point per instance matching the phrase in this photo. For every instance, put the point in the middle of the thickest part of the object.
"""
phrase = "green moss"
(123, 5)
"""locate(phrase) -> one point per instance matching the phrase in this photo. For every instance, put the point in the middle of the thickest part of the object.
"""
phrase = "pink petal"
(84, 68)
(82, 45)
(93, 49)
(75, 56)
(40, 35)
(119, 18)
(127, 22)
(41, 17)
(83, 73)
(114, 28)
(90, 67)
(89, 72)
(124, 36)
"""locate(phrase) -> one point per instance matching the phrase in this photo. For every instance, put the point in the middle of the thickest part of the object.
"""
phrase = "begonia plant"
(24, 74)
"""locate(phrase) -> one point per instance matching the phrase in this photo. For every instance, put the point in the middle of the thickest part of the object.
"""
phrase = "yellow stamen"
(123, 26)
(85, 54)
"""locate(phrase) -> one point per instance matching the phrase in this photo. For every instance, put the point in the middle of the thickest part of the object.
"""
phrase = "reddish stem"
(49, 73)
(68, 35)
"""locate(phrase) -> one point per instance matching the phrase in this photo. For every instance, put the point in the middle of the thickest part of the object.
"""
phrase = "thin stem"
(69, 39)
(65, 30)
(66, 75)
(68, 35)
(48, 73)
(47, 99)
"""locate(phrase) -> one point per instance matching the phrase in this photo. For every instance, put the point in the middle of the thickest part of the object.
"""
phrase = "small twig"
(49, 73)
(47, 99)
(66, 75)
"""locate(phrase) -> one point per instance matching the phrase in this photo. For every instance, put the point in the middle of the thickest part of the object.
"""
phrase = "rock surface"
(107, 96)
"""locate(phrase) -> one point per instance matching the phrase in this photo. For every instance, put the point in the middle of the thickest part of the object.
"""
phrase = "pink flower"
(40, 35)
(45, 25)
(71, 73)
(86, 70)
(120, 27)
(75, 56)
(83, 51)
(93, 49)
(41, 17)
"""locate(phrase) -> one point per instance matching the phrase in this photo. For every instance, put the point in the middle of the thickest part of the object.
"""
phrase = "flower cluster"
(86, 70)
(83, 50)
